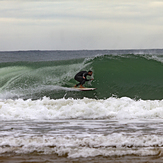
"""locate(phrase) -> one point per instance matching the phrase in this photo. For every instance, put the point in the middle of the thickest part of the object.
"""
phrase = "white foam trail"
(90, 146)
(123, 108)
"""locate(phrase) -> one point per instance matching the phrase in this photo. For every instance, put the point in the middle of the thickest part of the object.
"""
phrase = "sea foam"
(111, 108)
(111, 145)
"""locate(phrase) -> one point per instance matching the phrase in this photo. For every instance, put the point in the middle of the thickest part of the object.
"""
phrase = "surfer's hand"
(92, 79)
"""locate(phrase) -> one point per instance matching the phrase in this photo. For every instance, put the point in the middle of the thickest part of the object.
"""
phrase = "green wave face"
(134, 76)
(128, 75)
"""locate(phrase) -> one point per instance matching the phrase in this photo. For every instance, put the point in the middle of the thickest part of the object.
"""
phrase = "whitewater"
(111, 108)
(42, 119)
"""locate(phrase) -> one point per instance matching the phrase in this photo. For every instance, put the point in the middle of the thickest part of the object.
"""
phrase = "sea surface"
(43, 119)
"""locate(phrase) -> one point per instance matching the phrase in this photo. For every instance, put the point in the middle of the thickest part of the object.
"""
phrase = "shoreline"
(37, 158)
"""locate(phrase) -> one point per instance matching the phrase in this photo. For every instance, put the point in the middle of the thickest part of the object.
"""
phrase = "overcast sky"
(80, 24)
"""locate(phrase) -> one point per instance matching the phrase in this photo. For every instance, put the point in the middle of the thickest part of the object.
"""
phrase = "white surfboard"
(84, 89)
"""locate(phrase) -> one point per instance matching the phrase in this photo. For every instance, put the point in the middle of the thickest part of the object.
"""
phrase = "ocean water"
(43, 119)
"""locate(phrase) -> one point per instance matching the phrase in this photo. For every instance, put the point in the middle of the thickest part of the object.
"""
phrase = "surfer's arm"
(84, 75)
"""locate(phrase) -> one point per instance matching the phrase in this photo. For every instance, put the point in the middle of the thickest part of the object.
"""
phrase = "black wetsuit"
(79, 77)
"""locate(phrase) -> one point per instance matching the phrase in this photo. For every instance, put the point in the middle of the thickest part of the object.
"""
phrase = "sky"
(80, 24)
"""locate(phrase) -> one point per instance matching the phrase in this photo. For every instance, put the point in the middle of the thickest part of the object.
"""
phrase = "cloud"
(156, 4)
(86, 24)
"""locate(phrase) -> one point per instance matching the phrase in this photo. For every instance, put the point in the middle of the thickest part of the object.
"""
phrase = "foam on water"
(111, 108)
(82, 127)
(85, 146)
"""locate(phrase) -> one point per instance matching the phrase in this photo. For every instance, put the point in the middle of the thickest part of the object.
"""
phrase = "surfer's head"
(90, 72)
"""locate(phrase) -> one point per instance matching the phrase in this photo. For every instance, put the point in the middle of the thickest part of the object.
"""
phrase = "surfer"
(81, 77)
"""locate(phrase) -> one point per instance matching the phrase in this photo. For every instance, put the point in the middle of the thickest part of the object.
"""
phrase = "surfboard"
(84, 89)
